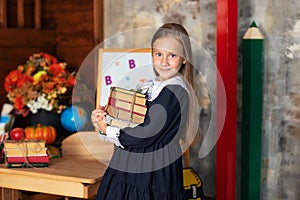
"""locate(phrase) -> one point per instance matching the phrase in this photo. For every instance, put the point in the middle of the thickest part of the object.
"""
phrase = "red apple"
(17, 134)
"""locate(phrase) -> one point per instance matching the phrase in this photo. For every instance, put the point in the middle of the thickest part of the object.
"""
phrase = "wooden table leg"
(9, 194)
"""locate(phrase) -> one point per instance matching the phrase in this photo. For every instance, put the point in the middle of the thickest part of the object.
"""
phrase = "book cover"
(126, 91)
(126, 105)
(25, 144)
(125, 115)
(118, 122)
(25, 151)
(119, 93)
(30, 159)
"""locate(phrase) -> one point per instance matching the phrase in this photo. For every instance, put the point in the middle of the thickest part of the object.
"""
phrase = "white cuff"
(112, 133)
(103, 137)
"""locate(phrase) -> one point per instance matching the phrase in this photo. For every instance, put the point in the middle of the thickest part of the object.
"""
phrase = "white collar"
(154, 87)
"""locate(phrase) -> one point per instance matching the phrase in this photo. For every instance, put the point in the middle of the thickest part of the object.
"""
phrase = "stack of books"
(26, 154)
(125, 107)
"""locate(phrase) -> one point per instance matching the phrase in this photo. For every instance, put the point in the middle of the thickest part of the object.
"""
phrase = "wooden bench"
(76, 174)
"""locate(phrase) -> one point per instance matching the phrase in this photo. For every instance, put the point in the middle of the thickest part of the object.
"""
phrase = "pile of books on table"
(125, 108)
(26, 154)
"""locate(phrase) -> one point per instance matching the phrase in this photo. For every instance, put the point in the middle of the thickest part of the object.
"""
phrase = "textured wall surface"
(279, 22)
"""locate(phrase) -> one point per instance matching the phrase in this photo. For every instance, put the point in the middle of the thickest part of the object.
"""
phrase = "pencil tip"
(253, 32)
(253, 24)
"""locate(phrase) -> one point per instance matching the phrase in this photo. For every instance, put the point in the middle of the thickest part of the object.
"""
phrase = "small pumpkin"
(41, 132)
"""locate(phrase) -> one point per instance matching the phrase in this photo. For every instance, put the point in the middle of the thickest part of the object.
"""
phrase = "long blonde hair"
(177, 31)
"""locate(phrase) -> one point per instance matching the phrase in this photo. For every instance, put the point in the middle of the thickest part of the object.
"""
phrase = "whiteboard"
(122, 68)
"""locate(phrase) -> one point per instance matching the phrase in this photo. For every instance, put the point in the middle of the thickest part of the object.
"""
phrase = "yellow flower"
(54, 95)
(63, 90)
(38, 75)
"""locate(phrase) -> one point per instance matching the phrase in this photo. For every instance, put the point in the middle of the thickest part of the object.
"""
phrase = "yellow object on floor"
(192, 184)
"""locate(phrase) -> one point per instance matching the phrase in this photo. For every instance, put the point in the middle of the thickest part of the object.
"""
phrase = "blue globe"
(73, 118)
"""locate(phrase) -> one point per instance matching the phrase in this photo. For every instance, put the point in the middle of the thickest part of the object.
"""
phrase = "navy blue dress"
(150, 165)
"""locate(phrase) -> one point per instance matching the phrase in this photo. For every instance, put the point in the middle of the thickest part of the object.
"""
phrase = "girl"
(147, 160)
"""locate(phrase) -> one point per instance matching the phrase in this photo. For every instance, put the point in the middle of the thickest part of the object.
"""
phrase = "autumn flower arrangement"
(41, 83)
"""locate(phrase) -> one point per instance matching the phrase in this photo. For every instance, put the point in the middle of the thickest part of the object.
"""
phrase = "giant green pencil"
(252, 105)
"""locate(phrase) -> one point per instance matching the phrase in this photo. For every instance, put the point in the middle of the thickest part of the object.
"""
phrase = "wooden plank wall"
(74, 29)
(66, 32)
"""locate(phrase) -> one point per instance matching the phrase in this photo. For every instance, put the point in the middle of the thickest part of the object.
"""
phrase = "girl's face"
(167, 57)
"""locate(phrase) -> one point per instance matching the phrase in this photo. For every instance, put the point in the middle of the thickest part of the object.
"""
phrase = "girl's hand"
(98, 119)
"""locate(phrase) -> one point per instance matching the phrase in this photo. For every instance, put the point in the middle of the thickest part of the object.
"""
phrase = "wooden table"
(76, 174)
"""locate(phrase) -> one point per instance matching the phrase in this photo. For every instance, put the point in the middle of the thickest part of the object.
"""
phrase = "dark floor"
(38, 196)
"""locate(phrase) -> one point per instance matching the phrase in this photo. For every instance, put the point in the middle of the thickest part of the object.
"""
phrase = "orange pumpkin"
(41, 132)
